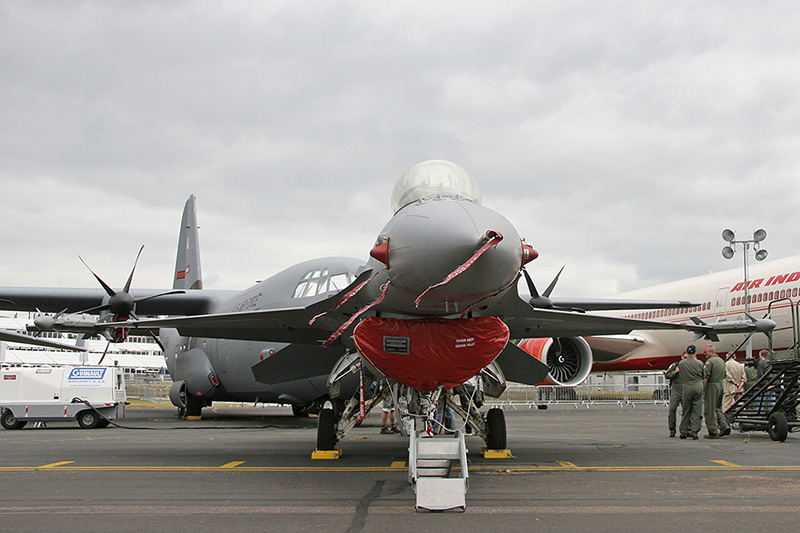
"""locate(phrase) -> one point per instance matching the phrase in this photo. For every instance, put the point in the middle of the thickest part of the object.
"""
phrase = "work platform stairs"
(773, 399)
(437, 469)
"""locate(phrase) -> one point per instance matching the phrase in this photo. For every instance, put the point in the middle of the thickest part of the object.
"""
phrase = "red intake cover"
(427, 352)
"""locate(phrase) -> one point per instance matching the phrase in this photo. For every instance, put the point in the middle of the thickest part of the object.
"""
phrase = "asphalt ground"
(596, 468)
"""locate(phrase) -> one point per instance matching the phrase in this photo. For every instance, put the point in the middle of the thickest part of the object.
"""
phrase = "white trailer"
(92, 395)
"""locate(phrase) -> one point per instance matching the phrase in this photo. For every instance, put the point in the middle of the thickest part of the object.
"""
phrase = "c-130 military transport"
(434, 305)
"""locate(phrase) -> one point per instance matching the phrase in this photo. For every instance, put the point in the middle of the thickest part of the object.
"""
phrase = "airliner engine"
(568, 358)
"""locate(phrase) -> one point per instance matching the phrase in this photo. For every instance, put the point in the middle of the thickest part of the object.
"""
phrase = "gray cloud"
(619, 138)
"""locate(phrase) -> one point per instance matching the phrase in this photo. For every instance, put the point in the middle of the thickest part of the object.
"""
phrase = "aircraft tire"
(194, 406)
(9, 421)
(778, 426)
(88, 419)
(326, 430)
(496, 423)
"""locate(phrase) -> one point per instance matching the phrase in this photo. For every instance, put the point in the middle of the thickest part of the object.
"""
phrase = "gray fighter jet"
(434, 305)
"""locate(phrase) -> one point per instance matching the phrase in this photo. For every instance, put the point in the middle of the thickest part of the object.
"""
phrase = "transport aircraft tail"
(188, 274)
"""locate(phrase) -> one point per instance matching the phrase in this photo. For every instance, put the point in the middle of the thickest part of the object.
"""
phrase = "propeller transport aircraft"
(435, 304)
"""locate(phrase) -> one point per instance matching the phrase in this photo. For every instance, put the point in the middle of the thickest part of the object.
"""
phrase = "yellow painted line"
(232, 464)
(726, 463)
(563, 466)
(53, 465)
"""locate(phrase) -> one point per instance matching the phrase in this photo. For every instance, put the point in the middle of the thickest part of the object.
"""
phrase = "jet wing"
(525, 321)
(290, 324)
(9, 336)
(551, 323)
(611, 304)
(55, 299)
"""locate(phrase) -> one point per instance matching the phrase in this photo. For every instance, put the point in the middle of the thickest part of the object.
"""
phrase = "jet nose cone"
(431, 240)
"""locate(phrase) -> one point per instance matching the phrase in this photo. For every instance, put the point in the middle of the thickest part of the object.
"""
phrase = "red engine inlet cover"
(427, 352)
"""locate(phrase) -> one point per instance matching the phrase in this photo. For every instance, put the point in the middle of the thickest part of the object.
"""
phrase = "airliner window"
(320, 281)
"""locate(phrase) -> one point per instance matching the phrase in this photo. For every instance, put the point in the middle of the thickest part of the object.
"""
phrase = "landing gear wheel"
(326, 430)
(88, 419)
(496, 424)
(194, 406)
(9, 421)
(182, 402)
(778, 426)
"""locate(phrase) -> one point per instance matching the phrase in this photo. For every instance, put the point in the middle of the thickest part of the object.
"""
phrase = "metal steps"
(437, 469)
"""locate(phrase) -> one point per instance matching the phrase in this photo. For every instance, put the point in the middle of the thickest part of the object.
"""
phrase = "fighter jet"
(435, 304)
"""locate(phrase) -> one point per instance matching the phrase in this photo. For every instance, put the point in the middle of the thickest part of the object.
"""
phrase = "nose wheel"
(496, 429)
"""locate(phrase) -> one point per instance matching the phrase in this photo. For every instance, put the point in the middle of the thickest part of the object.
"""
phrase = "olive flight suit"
(675, 391)
(714, 373)
(691, 371)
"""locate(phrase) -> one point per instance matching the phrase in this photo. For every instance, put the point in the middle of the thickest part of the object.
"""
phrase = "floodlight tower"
(760, 254)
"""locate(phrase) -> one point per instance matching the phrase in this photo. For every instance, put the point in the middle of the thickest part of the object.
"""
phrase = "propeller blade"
(108, 289)
(542, 302)
(552, 285)
(531, 286)
(158, 341)
(130, 278)
(137, 300)
(104, 353)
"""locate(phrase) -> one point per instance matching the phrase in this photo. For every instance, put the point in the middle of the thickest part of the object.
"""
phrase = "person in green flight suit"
(714, 375)
(691, 371)
(675, 391)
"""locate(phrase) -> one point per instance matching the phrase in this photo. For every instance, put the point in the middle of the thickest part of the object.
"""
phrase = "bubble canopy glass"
(434, 177)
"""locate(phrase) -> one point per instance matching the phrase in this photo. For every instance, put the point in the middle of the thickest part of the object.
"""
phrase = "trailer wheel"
(88, 419)
(778, 427)
(9, 421)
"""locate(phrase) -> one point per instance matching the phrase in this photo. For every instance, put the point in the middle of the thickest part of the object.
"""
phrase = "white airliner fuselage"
(772, 291)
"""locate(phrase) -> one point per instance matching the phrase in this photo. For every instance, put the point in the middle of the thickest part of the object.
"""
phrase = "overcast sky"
(620, 138)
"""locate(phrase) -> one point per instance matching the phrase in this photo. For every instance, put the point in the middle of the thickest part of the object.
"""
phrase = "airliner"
(772, 293)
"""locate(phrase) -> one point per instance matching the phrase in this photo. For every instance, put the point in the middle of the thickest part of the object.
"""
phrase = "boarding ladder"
(437, 469)
(771, 402)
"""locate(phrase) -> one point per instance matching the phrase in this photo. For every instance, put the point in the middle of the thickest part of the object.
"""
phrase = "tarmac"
(585, 468)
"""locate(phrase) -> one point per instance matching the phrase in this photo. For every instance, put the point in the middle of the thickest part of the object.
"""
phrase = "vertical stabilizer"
(188, 274)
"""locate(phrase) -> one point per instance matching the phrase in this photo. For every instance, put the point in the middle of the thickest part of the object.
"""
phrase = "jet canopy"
(434, 177)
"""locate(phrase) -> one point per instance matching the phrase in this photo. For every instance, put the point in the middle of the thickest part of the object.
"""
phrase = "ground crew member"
(691, 371)
(675, 391)
(750, 372)
(763, 365)
(735, 379)
(714, 374)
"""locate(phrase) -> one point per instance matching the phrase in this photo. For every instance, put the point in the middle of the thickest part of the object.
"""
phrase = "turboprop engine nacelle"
(568, 358)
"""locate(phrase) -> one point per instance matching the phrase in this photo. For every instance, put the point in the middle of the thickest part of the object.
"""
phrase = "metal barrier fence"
(156, 392)
(629, 393)
(514, 395)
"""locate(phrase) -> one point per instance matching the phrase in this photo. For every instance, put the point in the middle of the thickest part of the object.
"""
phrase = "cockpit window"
(319, 281)
(434, 177)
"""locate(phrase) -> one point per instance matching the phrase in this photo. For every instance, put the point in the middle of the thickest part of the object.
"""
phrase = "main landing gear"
(416, 410)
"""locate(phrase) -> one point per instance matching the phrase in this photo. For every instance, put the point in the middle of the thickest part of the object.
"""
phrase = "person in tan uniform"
(735, 379)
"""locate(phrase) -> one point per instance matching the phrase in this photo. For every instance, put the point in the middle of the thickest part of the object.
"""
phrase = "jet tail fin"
(188, 274)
